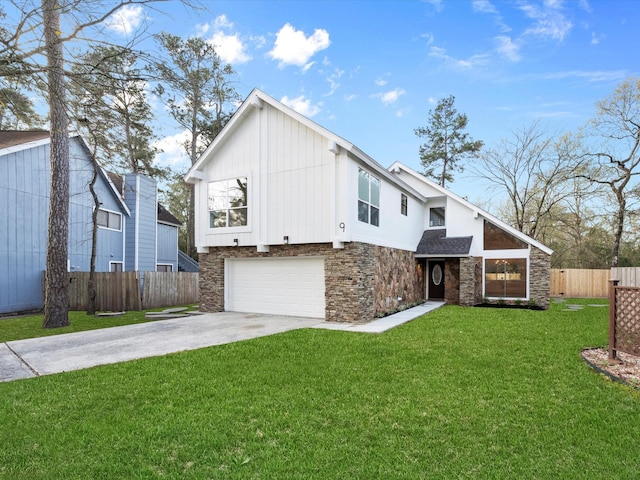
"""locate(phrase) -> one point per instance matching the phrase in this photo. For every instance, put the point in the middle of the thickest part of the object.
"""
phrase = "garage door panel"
(278, 286)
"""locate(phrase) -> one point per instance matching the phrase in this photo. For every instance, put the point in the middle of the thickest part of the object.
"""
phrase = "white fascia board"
(162, 222)
(477, 211)
(115, 191)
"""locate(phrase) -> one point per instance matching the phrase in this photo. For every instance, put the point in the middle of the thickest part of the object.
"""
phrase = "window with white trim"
(368, 198)
(228, 206)
(116, 267)
(403, 204)
(164, 267)
(110, 220)
(505, 277)
(436, 217)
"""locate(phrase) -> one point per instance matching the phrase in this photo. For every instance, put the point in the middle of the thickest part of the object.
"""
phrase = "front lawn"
(459, 393)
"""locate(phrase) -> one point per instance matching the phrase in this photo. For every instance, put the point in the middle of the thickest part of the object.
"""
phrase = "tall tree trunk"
(56, 301)
(91, 284)
(619, 228)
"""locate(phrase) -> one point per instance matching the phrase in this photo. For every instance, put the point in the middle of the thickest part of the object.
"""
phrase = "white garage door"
(279, 286)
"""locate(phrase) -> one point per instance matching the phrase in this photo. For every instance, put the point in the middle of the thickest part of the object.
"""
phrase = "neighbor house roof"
(436, 242)
(165, 216)
(12, 138)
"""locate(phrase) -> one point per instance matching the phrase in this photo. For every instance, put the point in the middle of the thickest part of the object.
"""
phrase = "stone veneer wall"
(358, 278)
(539, 278)
(470, 281)
(396, 276)
(452, 281)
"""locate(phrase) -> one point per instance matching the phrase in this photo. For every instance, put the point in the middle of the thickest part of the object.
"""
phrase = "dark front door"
(436, 280)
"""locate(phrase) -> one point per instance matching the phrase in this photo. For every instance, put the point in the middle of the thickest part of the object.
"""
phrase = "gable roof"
(257, 99)
(397, 166)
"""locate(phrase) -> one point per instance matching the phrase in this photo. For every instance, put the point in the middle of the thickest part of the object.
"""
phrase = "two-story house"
(292, 219)
(134, 231)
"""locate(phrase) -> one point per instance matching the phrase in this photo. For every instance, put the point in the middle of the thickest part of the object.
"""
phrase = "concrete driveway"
(74, 351)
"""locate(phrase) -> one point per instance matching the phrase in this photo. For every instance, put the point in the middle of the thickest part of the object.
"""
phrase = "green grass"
(459, 393)
(30, 326)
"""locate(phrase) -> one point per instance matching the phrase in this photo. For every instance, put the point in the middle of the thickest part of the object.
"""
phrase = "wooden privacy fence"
(116, 291)
(585, 283)
(121, 291)
(164, 289)
(580, 283)
(624, 319)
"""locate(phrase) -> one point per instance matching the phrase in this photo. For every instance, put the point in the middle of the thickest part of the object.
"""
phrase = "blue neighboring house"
(135, 232)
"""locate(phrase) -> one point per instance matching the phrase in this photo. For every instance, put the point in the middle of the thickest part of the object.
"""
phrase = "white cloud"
(595, 39)
(349, 97)
(590, 76)
(484, 6)
(221, 21)
(173, 153)
(202, 29)
(488, 8)
(293, 47)
(391, 96)
(507, 48)
(126, 20)
(228, 44)
(334, 80)
(259, 41)
(307, 66)
(429, 37)
(437, 4)
(381, 82)
(302, 105)
(471, 62)
(230, 48)
(549, 21)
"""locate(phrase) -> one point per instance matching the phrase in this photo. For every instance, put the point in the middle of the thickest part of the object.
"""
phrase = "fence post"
(612, 319)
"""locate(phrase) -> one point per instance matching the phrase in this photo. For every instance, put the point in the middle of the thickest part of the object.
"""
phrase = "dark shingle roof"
(436, 242)
(11, 138)
(166, 216)
(116, 180)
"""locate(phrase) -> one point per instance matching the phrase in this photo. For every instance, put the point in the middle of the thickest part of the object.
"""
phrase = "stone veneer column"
(211, 282)
(452, 281)
(349, 276)
(470, 281)
(539, 277)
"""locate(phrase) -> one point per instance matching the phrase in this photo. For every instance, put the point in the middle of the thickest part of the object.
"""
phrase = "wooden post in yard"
(612, 319)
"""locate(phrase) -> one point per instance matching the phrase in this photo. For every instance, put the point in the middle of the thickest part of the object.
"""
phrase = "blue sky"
(370, 71)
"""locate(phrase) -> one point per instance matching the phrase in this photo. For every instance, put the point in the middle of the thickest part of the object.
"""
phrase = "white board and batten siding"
(289, 172)
(292, 286)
